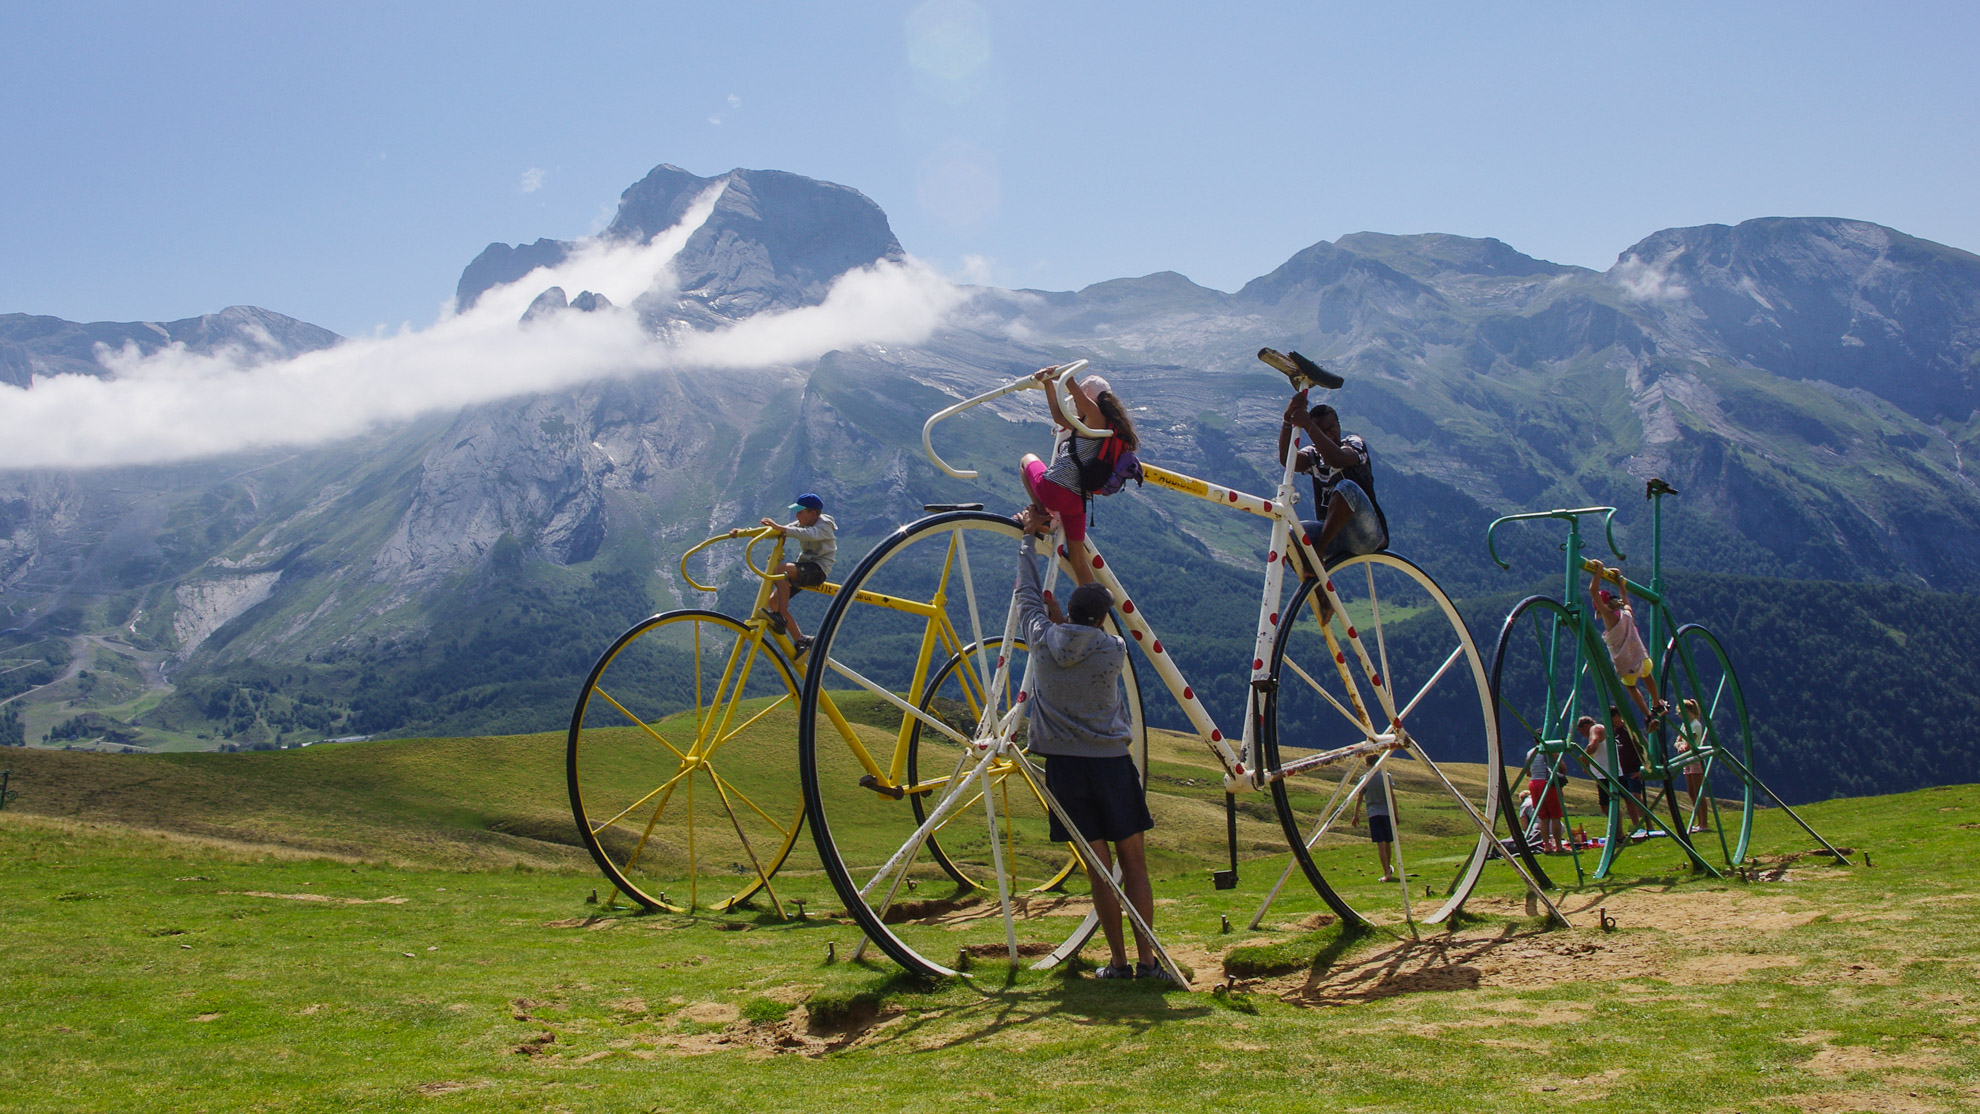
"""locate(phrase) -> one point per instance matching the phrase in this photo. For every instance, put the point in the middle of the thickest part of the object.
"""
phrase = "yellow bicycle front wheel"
(914, 679)
(682, 763)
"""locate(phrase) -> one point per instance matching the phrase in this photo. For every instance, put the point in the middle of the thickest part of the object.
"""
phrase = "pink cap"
(1096, 386)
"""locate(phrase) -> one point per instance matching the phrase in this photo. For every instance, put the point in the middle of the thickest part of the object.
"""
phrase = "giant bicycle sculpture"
(943, 854)
(1551, 667)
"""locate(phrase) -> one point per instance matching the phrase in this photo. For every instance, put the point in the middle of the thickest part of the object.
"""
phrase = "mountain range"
(1808, 384)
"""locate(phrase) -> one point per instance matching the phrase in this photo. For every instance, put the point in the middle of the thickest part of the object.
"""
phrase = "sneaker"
(1114, 971)
(775, 620)
(802, 643)
(1152, 971)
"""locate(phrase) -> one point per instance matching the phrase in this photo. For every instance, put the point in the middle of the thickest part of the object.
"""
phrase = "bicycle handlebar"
(1022, 383)
(756, 535)
(1567, 514)
(766, 574)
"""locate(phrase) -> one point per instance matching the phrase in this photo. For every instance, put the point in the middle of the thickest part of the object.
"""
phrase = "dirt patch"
(1695, 912)
(1711, 970)
(930, 910)
(711, 1013)
(448, 1087)
(592, 922)
(1854, 1102)
(1030, 949)
(536, 1044)
(1836, 1061)
(321, 898)
(1469, 961)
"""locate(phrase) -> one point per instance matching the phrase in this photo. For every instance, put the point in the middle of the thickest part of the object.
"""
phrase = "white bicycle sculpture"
(942, 855)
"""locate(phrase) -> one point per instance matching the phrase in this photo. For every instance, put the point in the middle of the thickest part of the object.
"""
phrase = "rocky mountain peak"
(1434, 253)
(775, 240)
(32, 345)
(1847, 301)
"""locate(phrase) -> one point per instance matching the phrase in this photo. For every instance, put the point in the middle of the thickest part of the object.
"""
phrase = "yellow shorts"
(1640, 673)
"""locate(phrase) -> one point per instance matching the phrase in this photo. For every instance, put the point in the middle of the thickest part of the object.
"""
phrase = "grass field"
(404, 925)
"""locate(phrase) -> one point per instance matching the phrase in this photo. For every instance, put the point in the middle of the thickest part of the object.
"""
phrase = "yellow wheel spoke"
(694, 875)
(773, 706)
(761, 875)
(725, 787)
(664, 787)
(640, 723)
(640, 847)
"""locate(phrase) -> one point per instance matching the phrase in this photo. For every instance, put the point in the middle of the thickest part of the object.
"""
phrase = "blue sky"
(342, 165)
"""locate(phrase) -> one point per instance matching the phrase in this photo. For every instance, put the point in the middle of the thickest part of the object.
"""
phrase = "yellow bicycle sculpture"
(682, 753)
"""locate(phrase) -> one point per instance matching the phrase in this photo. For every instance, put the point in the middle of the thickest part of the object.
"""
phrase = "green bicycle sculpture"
(1551, 668)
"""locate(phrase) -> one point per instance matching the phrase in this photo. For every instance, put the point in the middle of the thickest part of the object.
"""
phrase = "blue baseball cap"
(808, 502)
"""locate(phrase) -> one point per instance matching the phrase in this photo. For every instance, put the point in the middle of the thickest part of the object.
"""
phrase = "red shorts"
(1547, 799)
(1070, 508)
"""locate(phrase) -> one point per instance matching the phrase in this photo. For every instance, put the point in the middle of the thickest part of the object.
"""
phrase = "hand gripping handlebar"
(1051, 382)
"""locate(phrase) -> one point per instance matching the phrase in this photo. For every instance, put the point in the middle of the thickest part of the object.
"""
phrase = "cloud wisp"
(178, 405)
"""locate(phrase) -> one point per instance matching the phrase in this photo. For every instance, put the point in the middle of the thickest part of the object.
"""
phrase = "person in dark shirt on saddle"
(1343, 474)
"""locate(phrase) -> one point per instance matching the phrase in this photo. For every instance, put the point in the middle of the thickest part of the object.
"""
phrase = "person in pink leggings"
(1061, 487)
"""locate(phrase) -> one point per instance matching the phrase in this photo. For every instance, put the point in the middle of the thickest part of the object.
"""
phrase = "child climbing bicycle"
(818, 547)
(1080, 464)
(1626, 649)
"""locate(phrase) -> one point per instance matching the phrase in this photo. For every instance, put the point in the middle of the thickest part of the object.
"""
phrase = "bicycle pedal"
(873, 783)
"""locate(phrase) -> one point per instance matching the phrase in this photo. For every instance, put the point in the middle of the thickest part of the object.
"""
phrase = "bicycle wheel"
(1542, 683)
(1695, 667)
(1424, 682)
(902, 681)
(681, 761)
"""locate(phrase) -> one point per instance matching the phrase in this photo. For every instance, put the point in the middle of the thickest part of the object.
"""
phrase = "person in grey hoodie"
(1079, 723)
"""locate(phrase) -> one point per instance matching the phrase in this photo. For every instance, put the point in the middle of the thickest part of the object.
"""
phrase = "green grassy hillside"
(340, 927)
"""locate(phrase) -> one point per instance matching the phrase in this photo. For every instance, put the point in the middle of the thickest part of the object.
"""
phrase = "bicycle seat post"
(1573, 548)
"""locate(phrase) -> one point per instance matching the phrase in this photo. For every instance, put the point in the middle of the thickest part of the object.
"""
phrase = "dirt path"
(83, 651)
(77, 663)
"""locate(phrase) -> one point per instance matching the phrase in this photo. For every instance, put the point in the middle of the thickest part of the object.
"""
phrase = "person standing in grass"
(1595, 744)
(1546, 797)
(1691, 737)
(1377, 792)
(818, 547)
(1079, 723)
(1629, 758)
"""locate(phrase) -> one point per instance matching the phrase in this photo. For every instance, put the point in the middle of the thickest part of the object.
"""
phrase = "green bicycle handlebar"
(1567, 514)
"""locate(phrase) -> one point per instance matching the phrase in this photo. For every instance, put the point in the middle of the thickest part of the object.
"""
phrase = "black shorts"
(1379, 830)
(1633, 783)
(808, 575)
(1103, 796)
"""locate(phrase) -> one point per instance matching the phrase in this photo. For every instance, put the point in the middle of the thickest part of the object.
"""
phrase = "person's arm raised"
(1046, 375)
(1329, 449)
(1295, 415)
